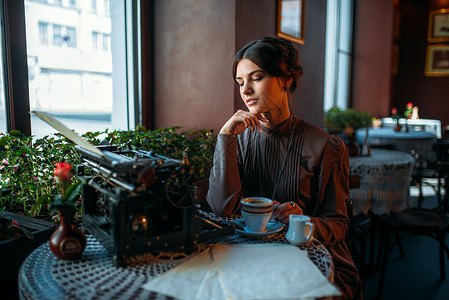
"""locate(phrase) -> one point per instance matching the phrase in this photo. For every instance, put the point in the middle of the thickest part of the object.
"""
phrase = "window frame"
(15, 66)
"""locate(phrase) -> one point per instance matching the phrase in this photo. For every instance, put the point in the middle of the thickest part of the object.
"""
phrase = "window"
(106, 8)
(95, 40)
(338, 54)
(57, 35)
(63, 36)
(100, 41)
(79, 87)
(93, 6)
(106, 42)
(43, 33)
(70, 38)
(87, 90)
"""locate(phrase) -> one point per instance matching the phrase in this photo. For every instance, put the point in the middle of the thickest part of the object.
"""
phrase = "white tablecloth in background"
(429, 125)
(417, 143)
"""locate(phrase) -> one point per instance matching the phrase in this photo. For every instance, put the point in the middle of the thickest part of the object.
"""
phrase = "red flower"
(63, 172)
(69, 190)
(409, 105)
(15, 224)
(394, 111)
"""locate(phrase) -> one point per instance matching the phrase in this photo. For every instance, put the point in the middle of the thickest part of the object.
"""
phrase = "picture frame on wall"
(438, 30)
(290, 20)
(437, 60)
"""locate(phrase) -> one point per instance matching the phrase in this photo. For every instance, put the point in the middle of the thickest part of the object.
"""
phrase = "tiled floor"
(417, 276)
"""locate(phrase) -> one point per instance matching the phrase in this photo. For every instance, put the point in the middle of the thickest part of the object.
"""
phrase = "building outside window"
(70, 65)
(86, 90)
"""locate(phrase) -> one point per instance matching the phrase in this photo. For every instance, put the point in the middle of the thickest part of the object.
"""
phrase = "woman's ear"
(287, 82)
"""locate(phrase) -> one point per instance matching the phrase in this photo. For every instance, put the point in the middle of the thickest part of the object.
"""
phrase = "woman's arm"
(330, 214)
(224, 179)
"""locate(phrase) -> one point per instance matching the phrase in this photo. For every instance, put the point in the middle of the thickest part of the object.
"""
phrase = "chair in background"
(356, 240)
(445, 132)
(429, 171)
(416, 221)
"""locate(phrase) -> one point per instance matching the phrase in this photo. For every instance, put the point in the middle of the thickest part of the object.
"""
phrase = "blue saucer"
(272, 228)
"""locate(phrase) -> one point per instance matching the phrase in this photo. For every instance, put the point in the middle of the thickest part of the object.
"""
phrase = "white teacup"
(300, 230)
(256, 212)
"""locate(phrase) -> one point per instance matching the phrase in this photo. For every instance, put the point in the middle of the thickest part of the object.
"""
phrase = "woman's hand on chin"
(240, 121)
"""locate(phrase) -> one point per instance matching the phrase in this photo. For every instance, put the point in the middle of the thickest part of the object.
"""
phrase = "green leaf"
(74, 190)
(36, 208)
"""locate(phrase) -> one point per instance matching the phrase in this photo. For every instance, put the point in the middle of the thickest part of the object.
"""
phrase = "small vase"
(398, 126)
(68, 241)
(353, 148)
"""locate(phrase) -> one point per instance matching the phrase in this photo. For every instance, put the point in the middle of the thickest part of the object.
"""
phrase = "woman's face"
(261, 92)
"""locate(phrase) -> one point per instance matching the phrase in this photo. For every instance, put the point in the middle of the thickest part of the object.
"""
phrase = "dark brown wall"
(430, 94)
(373, 40)
(193, 51)
(375, 87)
(256, 21)
(309, 97)
(195, 42)
(252, 22)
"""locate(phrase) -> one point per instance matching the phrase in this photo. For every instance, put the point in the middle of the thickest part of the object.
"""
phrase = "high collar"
(281, 129)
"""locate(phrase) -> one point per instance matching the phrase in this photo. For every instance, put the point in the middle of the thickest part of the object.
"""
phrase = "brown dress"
(314, 175)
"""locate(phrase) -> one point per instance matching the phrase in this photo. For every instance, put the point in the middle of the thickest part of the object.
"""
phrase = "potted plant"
(28, 187)
(27, 164)
(345, 123)
(395, 116)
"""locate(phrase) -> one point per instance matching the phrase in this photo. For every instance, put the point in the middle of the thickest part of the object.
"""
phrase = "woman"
(269, 152)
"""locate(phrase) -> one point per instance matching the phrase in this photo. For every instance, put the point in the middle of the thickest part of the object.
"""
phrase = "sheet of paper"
(71, 135)
(269, 271)
(260, 271)
(193, 279)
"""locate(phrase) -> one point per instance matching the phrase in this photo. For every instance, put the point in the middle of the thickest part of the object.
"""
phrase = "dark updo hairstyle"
(276, 56)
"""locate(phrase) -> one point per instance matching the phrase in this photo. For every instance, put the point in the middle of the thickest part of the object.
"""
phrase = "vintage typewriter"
(131, 206)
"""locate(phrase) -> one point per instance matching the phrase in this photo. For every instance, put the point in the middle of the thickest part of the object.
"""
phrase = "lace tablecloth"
(384, 181)
(43, 276)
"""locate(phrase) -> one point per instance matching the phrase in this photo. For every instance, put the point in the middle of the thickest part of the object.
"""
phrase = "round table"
(94, 276)
(384, 181)
(417, 143)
